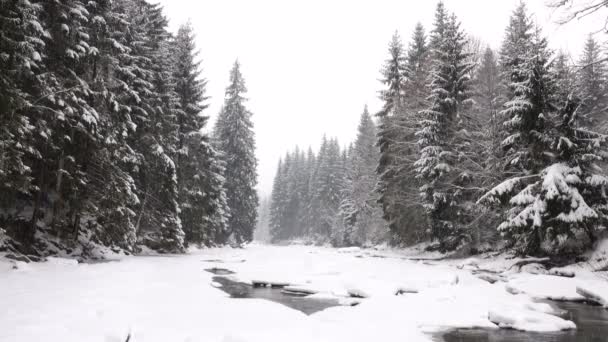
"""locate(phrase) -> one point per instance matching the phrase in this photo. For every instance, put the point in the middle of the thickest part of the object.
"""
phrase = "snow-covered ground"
(172, 298)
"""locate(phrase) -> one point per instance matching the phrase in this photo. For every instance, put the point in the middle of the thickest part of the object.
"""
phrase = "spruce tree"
(72, 120)
(235, 139)
(439, 136)
(362, 217)
(307, 215)
(200, 182)
(153, 105)
(21, 61)
(417, 70)
(327, 187)
(487, 97)
(109, 167)
(592, 85)
(551, 190)
(407, 218)
(279, 219)
(562, 208)
(393, 77)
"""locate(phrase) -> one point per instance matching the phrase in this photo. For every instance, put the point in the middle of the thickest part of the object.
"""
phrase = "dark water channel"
(591, 322)
(300, 303)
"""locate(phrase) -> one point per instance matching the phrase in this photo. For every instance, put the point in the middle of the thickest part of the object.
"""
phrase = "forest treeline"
(102, 134)
(472, 148)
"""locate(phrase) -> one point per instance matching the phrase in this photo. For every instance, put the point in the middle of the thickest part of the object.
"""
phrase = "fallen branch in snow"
(404, 290)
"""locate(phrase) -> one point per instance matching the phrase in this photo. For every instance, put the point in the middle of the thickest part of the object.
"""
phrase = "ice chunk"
(528, 320)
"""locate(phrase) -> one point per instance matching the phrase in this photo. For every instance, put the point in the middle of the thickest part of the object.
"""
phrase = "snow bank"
(545, 287)
(349, 250)
(596, 291)
(528, 320)
(61, 261)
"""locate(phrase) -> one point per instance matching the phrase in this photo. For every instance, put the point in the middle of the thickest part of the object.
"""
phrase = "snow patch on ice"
(528, 320)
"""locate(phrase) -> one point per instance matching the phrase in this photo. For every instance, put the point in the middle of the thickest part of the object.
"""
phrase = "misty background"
(311, 66)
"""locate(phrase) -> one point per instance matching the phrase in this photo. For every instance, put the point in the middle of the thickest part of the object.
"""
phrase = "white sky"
(311, 66)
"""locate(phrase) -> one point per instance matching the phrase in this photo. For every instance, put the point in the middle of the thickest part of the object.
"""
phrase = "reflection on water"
(306, 305)
(591, 322)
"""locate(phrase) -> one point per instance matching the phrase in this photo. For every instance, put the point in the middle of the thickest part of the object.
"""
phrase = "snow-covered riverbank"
(171, 298)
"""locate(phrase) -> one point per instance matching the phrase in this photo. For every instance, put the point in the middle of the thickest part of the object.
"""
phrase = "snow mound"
(349, 250)
(61, 261)
(528, 320)
(595, 291)
(545, 287)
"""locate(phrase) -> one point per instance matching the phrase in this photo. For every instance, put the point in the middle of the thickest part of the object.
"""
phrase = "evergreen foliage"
(235, 140)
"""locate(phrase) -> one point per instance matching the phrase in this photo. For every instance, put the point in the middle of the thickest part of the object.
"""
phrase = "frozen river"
(356, 296)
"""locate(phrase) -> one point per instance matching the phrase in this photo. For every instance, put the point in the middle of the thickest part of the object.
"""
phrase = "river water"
(591, 322)
(306, 305)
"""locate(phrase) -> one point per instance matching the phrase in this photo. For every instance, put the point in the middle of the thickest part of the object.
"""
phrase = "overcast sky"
(311, 66)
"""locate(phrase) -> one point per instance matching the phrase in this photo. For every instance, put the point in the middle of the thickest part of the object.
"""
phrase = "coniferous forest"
(105, 144)
(474, 149)
(103, 139)
(270, 170)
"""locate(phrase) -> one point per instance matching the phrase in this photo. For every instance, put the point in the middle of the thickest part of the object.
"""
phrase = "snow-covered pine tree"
(152, 102)
(552, 187)
(200, 184)
(417, 70)
(443, 180)
(262, 230)
(235, 139)
(592, 85)
(63, 172)
(393, 78)
(111, 187)
(276, 199)
(362, 215)
(487, 97)
(306, 215)
(525, 62)
(294, 191)
(20, 64)
(325, 195)
(408, 219)
(487, 134)
(563, 208)
(564, 80)
(279, 201)
(577, 208)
